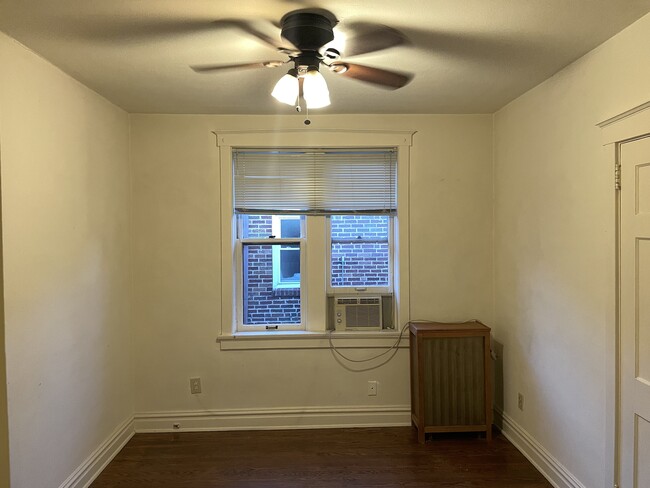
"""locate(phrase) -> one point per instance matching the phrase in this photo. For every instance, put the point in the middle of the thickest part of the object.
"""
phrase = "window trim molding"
(309, 138)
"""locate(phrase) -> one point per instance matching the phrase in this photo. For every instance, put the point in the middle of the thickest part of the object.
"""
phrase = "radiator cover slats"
(454, 371)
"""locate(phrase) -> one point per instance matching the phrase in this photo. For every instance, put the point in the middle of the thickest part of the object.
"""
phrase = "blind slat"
(315, 182)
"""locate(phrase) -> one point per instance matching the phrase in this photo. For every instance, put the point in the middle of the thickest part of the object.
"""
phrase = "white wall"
(65, 200)
(4, 426)
(177, 268)
(554, 249)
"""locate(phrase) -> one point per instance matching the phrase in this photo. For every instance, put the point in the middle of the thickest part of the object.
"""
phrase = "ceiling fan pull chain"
(307, 121)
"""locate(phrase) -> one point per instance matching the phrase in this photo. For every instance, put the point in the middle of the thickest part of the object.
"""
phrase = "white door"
(635, 314)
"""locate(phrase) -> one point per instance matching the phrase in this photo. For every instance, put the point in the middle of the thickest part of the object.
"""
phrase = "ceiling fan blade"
(373, 38)
(249, 28)
(381, 77)
(211, 68)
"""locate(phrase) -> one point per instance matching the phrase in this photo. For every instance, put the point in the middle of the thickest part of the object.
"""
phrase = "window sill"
(309, 340)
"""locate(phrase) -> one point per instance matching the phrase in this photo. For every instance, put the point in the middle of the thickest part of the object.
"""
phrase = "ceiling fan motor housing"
(308, 31)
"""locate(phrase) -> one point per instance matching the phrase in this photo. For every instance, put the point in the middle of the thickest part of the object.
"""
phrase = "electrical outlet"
(195, 385)
(520, 401)
(372, 388)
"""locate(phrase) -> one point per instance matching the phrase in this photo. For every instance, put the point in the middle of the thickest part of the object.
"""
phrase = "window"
(304, 223)
(352, 191)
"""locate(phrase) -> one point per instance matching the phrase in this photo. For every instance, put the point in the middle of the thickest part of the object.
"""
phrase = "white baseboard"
(558, 475)
(94, 464)
(274, 418)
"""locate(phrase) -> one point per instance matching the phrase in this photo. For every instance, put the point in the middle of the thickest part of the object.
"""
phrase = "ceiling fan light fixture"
(315, 89)
(287, 87)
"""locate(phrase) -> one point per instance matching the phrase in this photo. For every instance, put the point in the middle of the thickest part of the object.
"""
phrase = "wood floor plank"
(326, 458)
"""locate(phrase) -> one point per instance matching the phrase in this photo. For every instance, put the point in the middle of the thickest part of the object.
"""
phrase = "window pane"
(264, 303)
(264, 226)
(256, 226)
(360, 250)
(289, 227)
(290, 264)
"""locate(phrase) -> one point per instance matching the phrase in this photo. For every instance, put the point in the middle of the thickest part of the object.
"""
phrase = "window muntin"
(360, 252)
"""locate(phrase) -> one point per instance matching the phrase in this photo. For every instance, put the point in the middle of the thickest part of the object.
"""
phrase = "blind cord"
(339, 356)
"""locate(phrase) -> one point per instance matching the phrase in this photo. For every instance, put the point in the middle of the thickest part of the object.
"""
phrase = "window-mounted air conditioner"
(360, 312)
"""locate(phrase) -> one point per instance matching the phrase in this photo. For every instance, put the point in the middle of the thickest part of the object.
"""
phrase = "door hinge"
(617, 176)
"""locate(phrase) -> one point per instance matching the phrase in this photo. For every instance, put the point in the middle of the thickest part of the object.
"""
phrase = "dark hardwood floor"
(365, 457)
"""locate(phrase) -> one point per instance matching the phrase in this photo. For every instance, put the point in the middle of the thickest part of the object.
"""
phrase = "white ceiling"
(467, 56)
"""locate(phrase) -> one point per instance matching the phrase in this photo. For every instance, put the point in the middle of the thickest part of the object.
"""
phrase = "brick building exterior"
(360, 257)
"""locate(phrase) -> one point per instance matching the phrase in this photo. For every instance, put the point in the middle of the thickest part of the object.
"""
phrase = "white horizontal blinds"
(318, 181)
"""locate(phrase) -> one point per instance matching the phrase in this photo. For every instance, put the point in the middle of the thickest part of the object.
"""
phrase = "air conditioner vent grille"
(369, 301)
(362, 316)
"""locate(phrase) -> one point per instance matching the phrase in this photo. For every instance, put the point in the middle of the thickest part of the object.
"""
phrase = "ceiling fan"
(306, 34)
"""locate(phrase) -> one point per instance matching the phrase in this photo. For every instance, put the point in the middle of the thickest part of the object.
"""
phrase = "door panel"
(641, 465)
(635, 314)
(643, 311)
(643, 189)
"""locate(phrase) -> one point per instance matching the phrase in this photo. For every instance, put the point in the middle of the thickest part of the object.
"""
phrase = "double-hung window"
(308, 224)
(347, 196)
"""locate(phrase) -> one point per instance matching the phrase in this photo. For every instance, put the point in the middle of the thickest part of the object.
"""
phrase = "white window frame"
(314, 310)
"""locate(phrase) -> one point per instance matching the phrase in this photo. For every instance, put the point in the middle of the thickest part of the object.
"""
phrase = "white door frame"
(631, 124)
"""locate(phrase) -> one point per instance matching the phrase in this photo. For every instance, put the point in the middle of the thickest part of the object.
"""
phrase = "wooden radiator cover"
(450, 377)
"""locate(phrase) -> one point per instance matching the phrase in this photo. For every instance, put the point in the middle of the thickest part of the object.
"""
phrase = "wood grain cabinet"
(451, 387)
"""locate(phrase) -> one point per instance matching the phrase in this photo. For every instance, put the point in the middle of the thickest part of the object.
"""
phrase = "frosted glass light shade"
(315, 90)
(286, 89)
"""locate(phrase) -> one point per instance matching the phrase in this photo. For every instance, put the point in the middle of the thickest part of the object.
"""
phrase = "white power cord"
(338, 355)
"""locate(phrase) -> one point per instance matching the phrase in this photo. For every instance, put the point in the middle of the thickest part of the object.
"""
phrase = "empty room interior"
(148, 174)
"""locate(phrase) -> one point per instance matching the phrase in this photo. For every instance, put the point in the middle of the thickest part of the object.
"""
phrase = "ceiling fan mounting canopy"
(308, 29)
